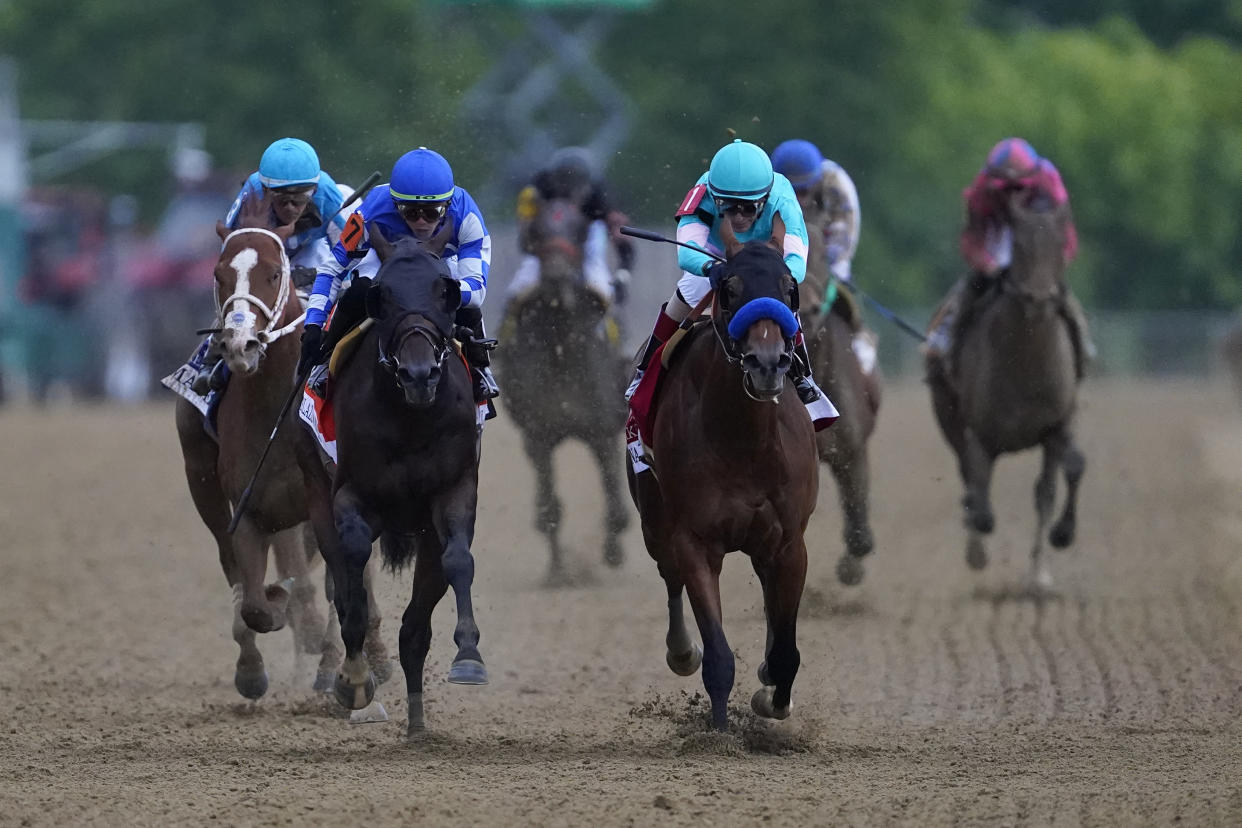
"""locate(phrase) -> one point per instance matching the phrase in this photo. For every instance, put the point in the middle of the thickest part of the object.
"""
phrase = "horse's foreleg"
(201, 456)
(848, 461)
(377, 653)
(682, 655)
(700, 570)
(1074, 464)
(415, 640)
(1045, 494)
(355, 530)
(607, 457)
(783, 579)
(262, 607)
(977, 471)
(547, 504)
(453, 516)
(304, 616)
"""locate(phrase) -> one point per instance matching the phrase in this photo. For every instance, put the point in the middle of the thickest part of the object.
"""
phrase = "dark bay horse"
(829, 338)
(734, 468)
(260, 317)
(564, 376)
(407, 470)
(1014, 384)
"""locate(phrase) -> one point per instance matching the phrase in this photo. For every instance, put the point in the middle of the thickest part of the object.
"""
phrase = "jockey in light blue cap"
(301, 194)
(419, 199)
(739, 187)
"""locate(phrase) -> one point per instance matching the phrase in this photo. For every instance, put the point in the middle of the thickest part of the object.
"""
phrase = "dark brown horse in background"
(734, 468)
(829, 338)
(564, 377)
(407, 470)
(1012, 384)
(260, 316)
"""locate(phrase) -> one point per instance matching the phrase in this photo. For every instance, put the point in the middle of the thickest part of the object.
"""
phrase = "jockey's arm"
(474, 260)
(845, 216)
(796, 240)
(980, 214)
(352, 246)
(690, 230)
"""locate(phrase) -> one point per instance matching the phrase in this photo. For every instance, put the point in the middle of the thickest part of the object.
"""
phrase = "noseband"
(241, 318)
(389, 358)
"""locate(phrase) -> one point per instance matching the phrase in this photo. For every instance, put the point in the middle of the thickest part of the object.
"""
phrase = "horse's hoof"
(1062, 535)
(373, 713)
(983, 522)
(764, 678)
(850, 570)
(417, 724)
(354, 696)
(252, 685)
(467, 671)
(976, 554)
(761, 703)
(686, 664)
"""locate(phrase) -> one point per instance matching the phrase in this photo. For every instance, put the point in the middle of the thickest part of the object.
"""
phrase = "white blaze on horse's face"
(241, 344)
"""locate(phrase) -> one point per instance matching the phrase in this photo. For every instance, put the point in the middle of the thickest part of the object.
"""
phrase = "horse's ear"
(256, 209)
(284, 232)
(439, 241)
(778, 234)
(732, 245)
(379, 242)
(222, 230)
(377, 300)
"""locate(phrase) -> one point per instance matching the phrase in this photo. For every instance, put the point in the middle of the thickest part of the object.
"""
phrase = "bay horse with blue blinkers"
(407, 471)
(734, 468)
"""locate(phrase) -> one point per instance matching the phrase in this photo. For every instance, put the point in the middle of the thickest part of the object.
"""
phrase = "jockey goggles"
(427, 211)
(299, 198)
(740, 206)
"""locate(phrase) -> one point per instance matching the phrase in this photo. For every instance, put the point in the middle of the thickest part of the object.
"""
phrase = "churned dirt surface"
(929, 695)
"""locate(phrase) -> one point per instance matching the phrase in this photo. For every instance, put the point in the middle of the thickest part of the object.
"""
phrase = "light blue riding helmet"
(421, 175)
(289, 162)
(740, 171)
(800, 161)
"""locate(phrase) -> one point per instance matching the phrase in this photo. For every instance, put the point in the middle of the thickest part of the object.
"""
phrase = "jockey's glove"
(312, 342)
(715, 274)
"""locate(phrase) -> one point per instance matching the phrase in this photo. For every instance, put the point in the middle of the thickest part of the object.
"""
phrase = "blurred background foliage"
(1136, 102)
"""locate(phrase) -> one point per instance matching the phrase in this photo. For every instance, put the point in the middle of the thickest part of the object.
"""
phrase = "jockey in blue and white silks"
(301, 194)
(740, 187)
(418, 200)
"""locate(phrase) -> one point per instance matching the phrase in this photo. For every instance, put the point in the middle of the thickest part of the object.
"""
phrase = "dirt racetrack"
(929, 695)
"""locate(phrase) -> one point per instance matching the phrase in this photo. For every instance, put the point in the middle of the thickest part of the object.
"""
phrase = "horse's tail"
(398, 550)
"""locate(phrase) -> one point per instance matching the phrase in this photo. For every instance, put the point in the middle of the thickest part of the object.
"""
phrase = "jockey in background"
(302, 195)
(570, 175)
(418, 200)
(741, 188)
(987, 241)
(830, 208)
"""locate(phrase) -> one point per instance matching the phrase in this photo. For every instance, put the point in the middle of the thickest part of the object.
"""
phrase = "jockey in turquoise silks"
(740, 187)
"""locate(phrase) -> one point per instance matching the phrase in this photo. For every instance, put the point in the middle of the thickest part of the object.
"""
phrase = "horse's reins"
(437, 339)
(241, 317)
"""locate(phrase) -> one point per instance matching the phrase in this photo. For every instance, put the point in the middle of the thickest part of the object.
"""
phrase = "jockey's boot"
(800, 372)
(477, 348)
(665, 326)
(205, 381)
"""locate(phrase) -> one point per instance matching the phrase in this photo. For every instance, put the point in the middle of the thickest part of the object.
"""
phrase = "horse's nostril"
(252, 345)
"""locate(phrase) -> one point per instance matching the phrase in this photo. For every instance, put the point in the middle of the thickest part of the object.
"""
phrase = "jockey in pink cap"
(987, 241)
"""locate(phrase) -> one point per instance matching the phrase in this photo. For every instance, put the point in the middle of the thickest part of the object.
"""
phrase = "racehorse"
(258, 313)
(856, 395)
(564, 377)
(1012, 384)
(734, 468)
(407, 470)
